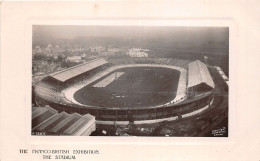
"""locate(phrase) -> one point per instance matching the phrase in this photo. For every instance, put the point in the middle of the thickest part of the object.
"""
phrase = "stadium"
(123, 90)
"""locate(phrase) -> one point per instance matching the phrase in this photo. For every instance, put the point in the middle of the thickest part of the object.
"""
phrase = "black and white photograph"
(130, 80)
(149, 81)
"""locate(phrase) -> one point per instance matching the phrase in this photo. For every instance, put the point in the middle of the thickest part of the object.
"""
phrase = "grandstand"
(199, 77)
(50, 87)
(72, 72)
(163, 61)
(193, 91)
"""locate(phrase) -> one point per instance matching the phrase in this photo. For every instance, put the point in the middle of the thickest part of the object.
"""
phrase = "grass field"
(137, 87)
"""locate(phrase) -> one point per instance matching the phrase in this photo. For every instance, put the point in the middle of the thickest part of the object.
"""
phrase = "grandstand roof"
(78, 69)
(198, 73)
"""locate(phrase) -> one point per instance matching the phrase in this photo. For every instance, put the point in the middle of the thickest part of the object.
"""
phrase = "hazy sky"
(141, 36)
(126, 31)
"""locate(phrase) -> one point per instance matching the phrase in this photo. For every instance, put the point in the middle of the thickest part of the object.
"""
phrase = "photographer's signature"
(219, 132)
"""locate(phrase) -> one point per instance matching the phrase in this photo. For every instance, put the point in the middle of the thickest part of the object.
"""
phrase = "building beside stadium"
(47, 121)
(192, 92)
(137, 52)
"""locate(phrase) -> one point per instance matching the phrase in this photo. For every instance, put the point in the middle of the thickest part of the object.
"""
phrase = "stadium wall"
(151, 113)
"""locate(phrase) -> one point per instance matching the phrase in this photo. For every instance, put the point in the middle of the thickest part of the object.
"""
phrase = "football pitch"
(133, 87)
